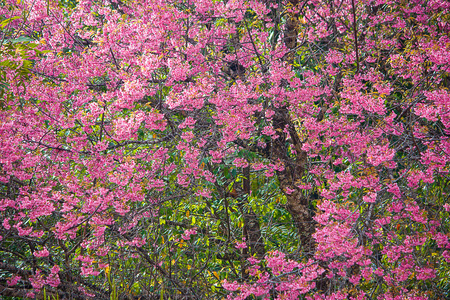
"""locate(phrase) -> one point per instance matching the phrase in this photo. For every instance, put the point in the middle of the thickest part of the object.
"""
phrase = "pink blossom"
(230, 286)
(370, 198)
(241, 245)
(187, 234)
(53, 279)
(6, 224)
(42, 253)
(447, 207)
(89, 271)
(37, 280)
(13, 280)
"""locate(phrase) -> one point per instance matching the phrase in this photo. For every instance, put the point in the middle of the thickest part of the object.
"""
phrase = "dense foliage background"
(179, 149)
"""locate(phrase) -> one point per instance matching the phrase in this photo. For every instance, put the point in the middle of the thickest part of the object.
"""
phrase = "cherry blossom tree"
(180, 149)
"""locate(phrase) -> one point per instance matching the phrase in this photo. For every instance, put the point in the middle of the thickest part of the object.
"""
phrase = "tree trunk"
(294, 168)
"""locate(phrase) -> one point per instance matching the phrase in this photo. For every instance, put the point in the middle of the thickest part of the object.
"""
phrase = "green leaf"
(7, 21)
(20, 39)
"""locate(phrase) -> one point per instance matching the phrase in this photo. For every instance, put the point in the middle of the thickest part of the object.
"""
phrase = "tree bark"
(294, 169)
